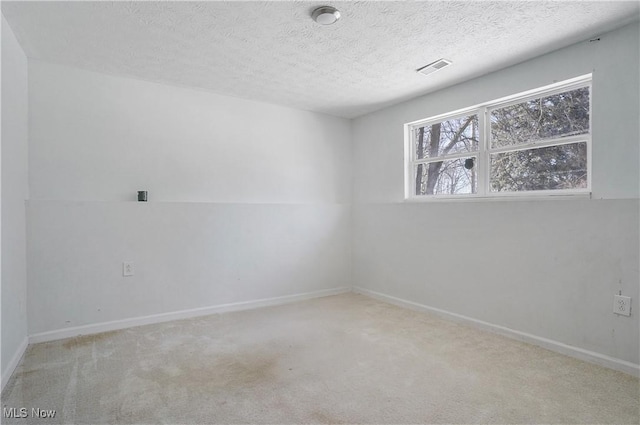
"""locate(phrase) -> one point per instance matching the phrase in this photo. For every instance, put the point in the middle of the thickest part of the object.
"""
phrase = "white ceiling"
(274, 52)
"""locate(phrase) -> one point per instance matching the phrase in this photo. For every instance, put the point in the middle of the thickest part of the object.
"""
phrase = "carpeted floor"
(339, 359)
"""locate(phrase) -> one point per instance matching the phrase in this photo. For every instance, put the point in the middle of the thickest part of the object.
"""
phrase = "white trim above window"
(532, 144)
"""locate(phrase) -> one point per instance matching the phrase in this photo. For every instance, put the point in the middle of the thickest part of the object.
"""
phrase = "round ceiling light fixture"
(326, 15)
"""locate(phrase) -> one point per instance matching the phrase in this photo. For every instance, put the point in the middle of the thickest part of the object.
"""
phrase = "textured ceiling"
(273, 51)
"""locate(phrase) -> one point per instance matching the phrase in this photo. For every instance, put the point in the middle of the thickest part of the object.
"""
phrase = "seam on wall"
(352, 192)
(556, 346)
(179, 315)
(14, 362)
(352, 247)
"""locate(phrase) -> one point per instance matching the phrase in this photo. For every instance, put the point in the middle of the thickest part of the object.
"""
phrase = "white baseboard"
(579, 353)
(576, 352)
(15, 360)
(177, 315)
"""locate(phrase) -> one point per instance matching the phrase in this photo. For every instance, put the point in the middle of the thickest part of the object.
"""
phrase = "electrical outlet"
(127, 268)
(622, 305)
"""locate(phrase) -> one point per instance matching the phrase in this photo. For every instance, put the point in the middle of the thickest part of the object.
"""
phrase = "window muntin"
(526, 145)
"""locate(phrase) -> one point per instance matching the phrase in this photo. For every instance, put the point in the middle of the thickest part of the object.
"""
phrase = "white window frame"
(484, 149)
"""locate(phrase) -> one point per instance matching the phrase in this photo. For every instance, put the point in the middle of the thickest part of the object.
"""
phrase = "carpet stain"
(248, 369)
(84, 340)
(324, 418)
(228, 371)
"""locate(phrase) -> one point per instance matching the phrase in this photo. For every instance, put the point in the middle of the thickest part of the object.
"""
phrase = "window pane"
(549, 168)
(447, 137)
(558, 115)
(447, 177)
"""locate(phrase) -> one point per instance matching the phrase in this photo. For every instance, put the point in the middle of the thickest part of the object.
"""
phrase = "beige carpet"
(340, 359)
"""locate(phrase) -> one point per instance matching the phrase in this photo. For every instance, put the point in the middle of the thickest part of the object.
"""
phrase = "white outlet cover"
(622, 305)
(127, 268)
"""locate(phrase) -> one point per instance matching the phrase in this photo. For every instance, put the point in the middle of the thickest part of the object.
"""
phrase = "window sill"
(505, 197)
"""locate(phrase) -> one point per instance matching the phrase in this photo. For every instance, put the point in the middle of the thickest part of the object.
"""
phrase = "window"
(534, 143)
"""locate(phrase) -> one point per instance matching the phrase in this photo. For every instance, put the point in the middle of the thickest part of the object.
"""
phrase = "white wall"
(14, 193)
(101, 138)
(548, 268)
(247, 200)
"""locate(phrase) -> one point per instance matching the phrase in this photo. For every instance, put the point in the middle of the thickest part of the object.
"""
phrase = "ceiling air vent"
(434, 66)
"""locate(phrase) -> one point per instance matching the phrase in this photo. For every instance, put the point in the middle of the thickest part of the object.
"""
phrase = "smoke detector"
(326, 15)
(434, 66)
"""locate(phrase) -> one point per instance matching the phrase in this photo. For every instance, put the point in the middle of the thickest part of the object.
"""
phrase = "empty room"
(320, 212)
